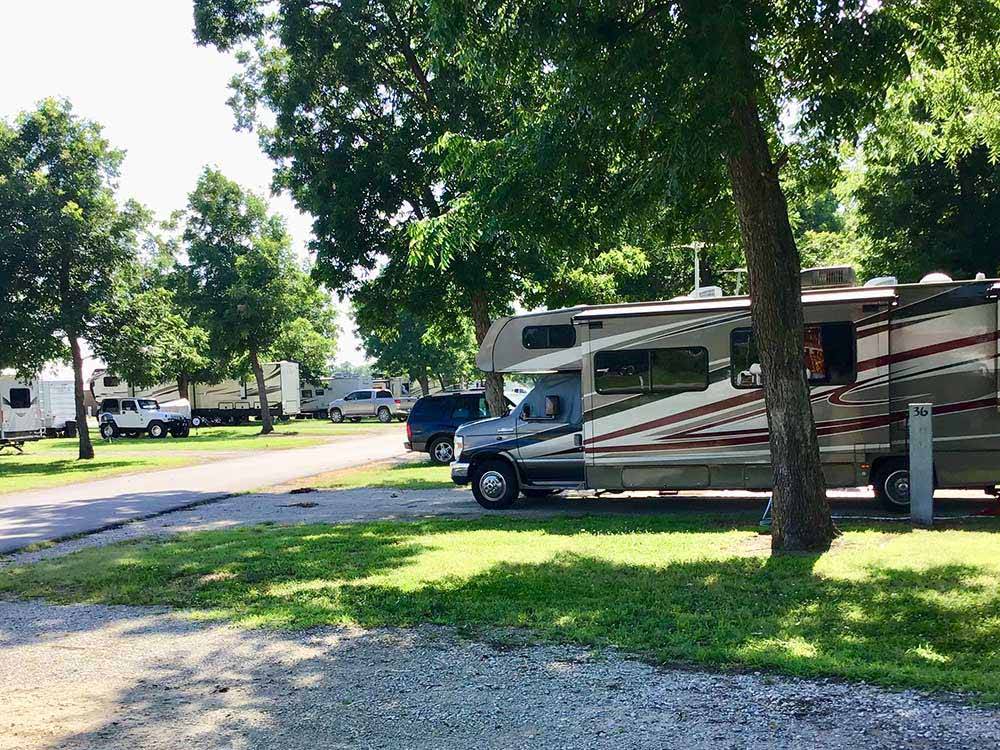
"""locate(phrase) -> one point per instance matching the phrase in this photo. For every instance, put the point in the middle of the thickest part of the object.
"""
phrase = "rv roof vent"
(882, 281)
(935, 278)
(828, 276)
(706, 292)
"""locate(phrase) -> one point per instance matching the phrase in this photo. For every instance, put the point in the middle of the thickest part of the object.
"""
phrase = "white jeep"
(134, 416)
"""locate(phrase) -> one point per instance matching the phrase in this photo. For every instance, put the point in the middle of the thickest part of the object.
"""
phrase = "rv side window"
(308, 394)
(19, 398)
(548, 337)
(679, 369)
(111, 382)
(319, 391)
(652, 370)
(830, 356)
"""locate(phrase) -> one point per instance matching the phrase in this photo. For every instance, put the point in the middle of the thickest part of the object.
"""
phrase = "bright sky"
(134, 67)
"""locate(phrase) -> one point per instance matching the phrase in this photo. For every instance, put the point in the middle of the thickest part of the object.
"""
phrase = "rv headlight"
(459, 444)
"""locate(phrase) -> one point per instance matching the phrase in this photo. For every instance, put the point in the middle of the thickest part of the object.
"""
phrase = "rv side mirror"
(551, 407)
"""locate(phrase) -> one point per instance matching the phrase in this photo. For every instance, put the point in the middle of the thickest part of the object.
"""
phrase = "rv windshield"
(148, 404)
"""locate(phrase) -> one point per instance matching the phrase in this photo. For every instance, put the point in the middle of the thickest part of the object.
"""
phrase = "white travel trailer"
(58, 403)
(668, 395)
(317, 397)
(228, 402)
(20, 412)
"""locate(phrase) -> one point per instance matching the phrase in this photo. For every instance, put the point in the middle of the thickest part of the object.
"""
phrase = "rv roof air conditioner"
(882, 281)
(935, 278)
(828, 276)
(706, 292)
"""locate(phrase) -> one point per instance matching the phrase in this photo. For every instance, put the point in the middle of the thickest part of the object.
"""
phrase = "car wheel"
(442, 451)
(108, 430)
(336, 416)
(494, 485)
(538, 493)
(401, 418)
(384, 415)
(156, 430)
(891, 482)
(181, 432)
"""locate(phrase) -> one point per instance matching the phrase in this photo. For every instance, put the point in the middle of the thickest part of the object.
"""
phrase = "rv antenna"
(739, 277)
(696, 247)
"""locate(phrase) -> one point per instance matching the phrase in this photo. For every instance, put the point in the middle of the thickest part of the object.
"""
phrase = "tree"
(360, 102)
(686, 98)
(243, 281)
(64, 238)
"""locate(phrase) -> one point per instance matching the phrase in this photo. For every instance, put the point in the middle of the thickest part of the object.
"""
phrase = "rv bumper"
(460, 473)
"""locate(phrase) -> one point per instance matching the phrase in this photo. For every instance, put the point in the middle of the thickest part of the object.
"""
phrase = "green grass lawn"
(52, 462)
(34, 471)
(404, 476)
(887, 605)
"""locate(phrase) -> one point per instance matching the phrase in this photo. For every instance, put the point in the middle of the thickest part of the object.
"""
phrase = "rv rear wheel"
(384, 415)
(108, 430)
(891, 482)
(156, 430)
(494, 484)
(336, 415)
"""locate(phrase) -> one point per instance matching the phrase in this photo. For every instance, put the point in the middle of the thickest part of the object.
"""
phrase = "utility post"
(921, 430)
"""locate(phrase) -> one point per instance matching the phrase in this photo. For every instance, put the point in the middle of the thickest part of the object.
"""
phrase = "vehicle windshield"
(148, 404)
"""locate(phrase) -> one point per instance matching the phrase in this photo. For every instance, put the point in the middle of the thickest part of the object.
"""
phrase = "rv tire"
(384, 415)
(494, 484)
(196, 421)
(891, 482)
(336, 415)
(156, 429)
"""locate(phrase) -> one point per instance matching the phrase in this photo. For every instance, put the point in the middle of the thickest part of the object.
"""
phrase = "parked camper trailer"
(20, 412)
(228, 402)
(668, 395)
(58, 403)
(317, 397)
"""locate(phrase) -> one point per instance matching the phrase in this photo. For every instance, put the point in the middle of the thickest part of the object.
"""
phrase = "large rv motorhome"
(668, 395)
(228, 402)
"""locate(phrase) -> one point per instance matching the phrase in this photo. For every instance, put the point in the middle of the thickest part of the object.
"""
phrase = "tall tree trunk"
(82, 429)
(266, 424)
(801, 515)
(425, 383)
(494, 380)
(182, 386)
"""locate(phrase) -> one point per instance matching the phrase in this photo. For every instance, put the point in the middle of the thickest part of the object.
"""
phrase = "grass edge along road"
(53, 463)
(886, 605)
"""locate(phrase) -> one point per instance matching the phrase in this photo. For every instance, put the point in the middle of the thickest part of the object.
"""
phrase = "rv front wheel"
(494, 485)
(892, 486)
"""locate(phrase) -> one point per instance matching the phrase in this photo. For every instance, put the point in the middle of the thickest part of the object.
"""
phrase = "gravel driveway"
(119, 677)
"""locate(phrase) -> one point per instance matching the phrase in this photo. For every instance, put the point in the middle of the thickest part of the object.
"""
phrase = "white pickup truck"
(368, 402)
(134, 416)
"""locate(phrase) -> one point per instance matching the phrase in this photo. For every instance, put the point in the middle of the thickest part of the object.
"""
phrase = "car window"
(129, 406)
(19, 398)
(384, 394)
(148, 403)
(351, 397)
(363, 396)
(110, 406)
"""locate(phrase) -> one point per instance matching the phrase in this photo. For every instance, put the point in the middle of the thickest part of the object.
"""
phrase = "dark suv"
(433, 420)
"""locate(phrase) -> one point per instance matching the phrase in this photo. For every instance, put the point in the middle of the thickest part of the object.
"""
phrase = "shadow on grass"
(933, 627)
(55, 467)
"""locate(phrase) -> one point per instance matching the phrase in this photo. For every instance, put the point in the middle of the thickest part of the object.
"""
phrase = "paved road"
(37, 516)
